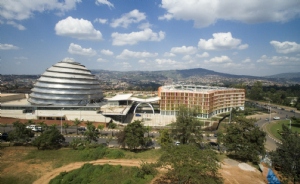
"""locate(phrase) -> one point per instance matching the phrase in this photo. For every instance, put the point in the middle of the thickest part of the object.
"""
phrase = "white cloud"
(8, 47)
(203, 55)
(165, 61)
(132, 17)
(77, 28)
(279, 60)
(107, 52)
(24, 9)
(167, 16)
(21, 58)
(77, 49)
(168, 54)
(16, 25)
(242, 47)
(247, 60)
(135, 37)
(221, 41)
(207, 12)
(184, 50)
(285, 47)
(124, 65)
(222, 59)
(102, 21)
(101, 60)
(131, 54)
(68, 59)
(105, 2)
(142, 61)
(186, 57)
(144, 26)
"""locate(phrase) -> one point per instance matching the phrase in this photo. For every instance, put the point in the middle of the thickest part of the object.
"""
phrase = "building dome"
(66, 83)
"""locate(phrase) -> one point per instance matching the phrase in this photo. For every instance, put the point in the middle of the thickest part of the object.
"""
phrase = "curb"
(274, 139)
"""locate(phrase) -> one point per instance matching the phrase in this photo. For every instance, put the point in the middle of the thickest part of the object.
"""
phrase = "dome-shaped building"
(66, 83)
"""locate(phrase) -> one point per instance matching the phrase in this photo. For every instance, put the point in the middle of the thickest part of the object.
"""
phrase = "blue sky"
(246, 37)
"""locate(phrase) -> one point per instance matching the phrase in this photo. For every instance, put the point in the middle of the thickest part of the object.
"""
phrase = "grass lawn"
(274, 127)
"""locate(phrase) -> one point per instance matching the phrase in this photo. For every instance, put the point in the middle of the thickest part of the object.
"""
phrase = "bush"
(115, 154)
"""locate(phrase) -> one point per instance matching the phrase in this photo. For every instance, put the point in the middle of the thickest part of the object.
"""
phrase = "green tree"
(90, 133)
(4, 126)
(148, 128)
(50, 139)
(76, 123)
(244, 140)
(43, 125)
(20, 134)
(65, 126)
(187, 128)
(286, 156)
(164, 138)
(111, 125)
(134, 135)
(256, 92)
(121, 138)
(189, 164)
(100, 128)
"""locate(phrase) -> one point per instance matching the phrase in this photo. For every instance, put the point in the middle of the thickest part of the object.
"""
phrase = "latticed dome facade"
(66, 83)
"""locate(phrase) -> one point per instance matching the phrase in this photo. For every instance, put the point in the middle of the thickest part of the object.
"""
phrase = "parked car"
(81, 128)
(276, 118)
(31, 127)
(35, 128)
(4, 136)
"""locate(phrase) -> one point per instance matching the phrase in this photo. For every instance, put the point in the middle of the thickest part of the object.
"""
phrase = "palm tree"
(65, 126)
(90, 133)
(76, 123)
(100, 127)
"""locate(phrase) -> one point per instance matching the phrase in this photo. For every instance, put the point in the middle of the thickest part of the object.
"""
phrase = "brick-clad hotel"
(207, 100)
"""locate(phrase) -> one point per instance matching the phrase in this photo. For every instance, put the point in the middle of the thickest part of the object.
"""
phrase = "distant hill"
(174, 74)
(178, 75)
(295, 77)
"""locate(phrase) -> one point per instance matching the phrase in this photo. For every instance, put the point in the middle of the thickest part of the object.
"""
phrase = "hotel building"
(206, 100)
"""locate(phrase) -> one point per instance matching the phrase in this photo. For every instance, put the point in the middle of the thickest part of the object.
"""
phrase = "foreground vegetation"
(276, 128)
(108, 174)
(64, 156)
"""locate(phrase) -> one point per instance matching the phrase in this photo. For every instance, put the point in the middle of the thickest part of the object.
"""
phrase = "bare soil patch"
(43, 172)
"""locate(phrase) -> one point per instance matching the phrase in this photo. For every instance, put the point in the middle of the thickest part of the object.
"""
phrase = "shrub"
(114, 154)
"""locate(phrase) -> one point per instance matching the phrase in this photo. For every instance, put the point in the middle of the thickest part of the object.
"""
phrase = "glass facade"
(66, 83)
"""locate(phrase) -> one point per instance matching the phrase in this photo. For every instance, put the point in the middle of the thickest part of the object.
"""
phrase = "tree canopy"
(20, 134)
(286, 156)
(244, 140)
(91, 134)
(164, 138)
(133, 135)
(187, 128)
(189, 164)
(50, 139)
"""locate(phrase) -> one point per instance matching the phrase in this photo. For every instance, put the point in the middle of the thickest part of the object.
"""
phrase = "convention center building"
(68, 91)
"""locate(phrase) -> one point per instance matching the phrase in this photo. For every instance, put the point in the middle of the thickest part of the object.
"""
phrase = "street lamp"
(270, 111)
(61, 120)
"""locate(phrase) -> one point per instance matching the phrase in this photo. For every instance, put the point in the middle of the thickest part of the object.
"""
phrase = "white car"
(31, 127)
(34, 128)
(276, 118)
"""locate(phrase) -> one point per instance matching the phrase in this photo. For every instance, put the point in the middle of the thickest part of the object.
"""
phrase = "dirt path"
(50, 175)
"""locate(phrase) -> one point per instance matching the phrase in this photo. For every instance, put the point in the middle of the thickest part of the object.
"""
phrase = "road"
(271, 143)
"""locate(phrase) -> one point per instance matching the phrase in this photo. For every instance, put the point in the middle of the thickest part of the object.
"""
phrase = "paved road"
(271, 143)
